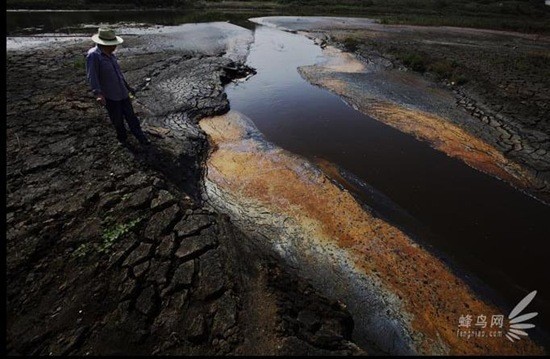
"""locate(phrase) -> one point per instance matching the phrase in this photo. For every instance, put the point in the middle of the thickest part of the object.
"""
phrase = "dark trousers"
(123, 108)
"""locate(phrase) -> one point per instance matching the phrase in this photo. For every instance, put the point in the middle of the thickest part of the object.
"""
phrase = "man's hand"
(132, 91)
(100, 99)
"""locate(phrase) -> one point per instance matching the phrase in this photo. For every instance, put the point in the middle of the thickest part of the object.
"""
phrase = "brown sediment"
(452, 140)
(437, 131)
(500, 103)
(337, 60)
(282, 184)
(333, 172)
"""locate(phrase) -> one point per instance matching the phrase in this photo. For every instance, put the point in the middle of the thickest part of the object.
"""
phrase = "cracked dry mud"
(110, 250)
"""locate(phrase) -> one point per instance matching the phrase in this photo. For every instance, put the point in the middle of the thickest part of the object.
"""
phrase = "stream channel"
(492, 232)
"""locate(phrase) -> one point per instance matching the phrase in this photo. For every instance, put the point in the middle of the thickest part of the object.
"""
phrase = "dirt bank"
(485, 91)
(110, 249)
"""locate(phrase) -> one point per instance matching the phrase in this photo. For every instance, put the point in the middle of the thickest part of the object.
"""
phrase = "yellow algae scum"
(402, 298)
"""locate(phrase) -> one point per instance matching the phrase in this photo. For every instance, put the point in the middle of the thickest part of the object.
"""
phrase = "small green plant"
(82, 250)
(112, 234)
(79, 63)
(109, 237)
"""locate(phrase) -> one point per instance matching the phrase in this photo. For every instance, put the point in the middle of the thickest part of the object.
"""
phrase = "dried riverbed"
(160, 271)
(264, 194)
(111, 250)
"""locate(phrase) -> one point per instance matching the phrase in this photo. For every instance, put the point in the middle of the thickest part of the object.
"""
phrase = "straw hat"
(106, 37)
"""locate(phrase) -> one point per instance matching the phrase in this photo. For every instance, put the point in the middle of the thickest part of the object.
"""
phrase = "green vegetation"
(497, 22)
(516, 15)
(82, 251)
(420, 62)
(449, 70)
(95, 4)
(442, 68)
(79, 63)
(350, 43)
(112, 234)
(108, 238)
(413, 60)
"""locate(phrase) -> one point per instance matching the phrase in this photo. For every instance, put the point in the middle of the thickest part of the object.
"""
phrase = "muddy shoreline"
(498, 112)
(133, 222)
(111, 250)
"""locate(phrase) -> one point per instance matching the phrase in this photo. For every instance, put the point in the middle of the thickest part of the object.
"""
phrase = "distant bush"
(444, 69)
(412, 60)
(44, 4)
(350, 43)
(91, 4)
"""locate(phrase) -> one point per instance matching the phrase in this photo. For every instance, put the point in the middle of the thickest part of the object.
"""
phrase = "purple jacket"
(104, 75)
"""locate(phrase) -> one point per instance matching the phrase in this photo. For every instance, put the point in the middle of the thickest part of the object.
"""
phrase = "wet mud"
(503, 126)
(404, 299)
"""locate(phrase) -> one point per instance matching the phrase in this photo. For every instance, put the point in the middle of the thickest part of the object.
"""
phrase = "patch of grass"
(413, 60)
(350, 43)
(505, 22)
(79, 63)
(108, 238)
(447, 70)
(112, 234)
(458, 79)
(82, 251)
(444, 69)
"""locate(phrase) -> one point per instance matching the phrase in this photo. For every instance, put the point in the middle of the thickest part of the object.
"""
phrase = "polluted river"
(409, 236)
(366, 180)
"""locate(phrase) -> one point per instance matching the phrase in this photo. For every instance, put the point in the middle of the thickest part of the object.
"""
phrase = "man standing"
(109, 86)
